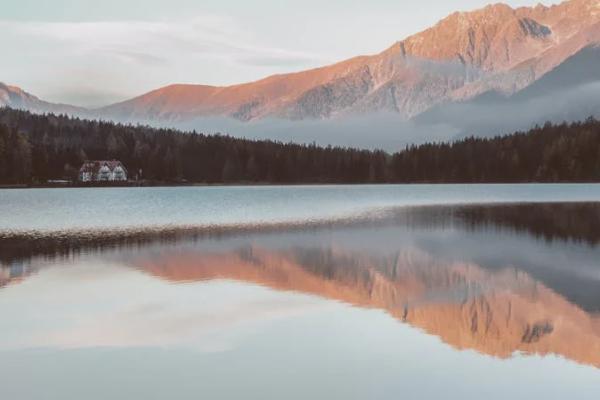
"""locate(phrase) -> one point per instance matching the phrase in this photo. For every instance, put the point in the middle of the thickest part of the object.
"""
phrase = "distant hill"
(17, 98)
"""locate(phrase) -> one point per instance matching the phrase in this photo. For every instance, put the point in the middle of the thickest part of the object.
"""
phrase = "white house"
(103, 171)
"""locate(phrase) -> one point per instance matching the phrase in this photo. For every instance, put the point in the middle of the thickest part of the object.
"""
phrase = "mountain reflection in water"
(495, 279)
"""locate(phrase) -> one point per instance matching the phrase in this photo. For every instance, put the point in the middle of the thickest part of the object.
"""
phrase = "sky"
(93, 53)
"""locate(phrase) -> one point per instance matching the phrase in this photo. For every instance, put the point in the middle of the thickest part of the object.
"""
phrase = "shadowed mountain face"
(497, 279)
(569, 92)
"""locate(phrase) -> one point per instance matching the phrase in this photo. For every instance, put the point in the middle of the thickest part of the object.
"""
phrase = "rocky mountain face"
(495, 49)
(14, 97)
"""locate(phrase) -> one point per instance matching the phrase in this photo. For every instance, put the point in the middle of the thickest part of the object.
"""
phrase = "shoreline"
(263, 184)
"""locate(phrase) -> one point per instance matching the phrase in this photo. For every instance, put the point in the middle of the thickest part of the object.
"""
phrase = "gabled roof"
(94, 166)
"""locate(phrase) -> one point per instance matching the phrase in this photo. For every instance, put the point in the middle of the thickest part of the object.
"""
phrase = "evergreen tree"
(230, 170)
(35, 148)
(3, 153)
(21, 158)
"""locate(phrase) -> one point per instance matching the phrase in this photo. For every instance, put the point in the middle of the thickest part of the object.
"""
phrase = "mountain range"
(465, 74)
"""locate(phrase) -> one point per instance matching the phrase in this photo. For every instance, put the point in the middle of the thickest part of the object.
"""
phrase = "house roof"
(94, 166)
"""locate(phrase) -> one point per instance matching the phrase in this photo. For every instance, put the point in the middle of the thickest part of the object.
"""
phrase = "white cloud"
(130, 57)
(145, 42)
(118, 306)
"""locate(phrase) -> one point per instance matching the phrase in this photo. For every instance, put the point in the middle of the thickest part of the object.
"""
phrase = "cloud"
(140, 57)
(50, 59)
(384, 130)
(141, 311)
(172, 325)
(156, 42)
(499, 116)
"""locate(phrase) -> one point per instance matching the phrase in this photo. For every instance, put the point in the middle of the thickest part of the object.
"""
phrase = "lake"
(51, 210)
(321, 292)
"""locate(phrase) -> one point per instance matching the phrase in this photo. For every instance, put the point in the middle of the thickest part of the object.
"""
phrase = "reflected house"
(14, 272)
(103, 171)
(4, 275)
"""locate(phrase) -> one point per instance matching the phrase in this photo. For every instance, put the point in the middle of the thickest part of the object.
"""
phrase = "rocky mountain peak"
(496, 49)
(492, 38)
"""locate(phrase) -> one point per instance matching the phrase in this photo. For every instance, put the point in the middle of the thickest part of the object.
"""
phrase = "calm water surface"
(119, 208)
(454, 300)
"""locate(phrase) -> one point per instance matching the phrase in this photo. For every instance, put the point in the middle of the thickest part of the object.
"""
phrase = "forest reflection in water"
(497, 279)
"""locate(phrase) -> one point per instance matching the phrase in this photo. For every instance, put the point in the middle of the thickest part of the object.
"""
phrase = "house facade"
(103, 171)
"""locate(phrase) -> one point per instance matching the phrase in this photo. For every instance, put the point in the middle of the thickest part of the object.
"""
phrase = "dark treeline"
(38, 148)
(576, 222)
(35, 148)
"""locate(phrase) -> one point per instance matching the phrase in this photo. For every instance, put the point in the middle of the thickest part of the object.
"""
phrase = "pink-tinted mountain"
(485, 72)
(495, 49)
